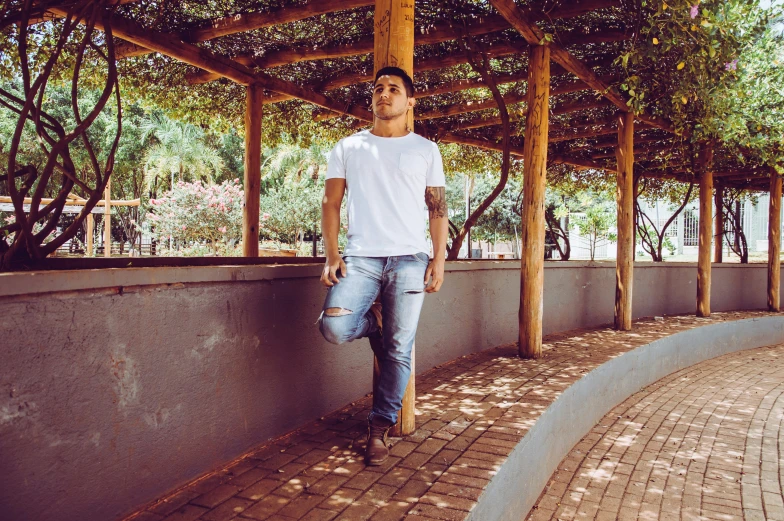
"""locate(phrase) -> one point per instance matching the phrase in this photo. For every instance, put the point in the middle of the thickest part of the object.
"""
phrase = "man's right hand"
(329, 277)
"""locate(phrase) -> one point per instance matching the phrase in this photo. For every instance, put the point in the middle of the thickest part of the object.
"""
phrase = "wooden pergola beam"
(470, 106)
(590, 131)
(564, 87)
(742, 174)
(580, 163)
(365, 45)
(679, 176)
(607, 143)
(577, 106)
(683, 166)
(568, 126)
(193, 55)
(49, 15)
(252, 21)
(484, 144)
(457, 58)
(638, 151)
(564, 108)
(124, 50)
(470, 83)
(171, 46)
(483, 122)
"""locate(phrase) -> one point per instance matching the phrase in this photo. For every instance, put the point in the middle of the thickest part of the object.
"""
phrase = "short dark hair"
(408, 83)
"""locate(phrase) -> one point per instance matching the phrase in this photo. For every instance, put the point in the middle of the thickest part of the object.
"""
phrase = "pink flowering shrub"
(193, 212)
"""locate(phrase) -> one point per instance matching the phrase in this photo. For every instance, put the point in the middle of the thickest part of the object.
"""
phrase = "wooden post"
(706, 220)
(393, 45)
(90, 234)
(534, 180)
(406, 418)
(624, 196)
(393, 40)
(107, 220)
(774, 242)
(250, 207)
(718, 246)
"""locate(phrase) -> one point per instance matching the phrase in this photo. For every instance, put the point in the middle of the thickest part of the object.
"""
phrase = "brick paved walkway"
(703, 443)
(470, 414)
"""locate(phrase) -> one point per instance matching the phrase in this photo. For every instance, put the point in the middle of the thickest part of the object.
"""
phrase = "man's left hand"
(434, 275)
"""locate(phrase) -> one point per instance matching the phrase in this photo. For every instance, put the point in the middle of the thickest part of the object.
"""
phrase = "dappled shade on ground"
(701, 443)
(471, 413)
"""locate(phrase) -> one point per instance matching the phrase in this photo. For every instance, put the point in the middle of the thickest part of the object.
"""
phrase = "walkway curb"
(514, 490)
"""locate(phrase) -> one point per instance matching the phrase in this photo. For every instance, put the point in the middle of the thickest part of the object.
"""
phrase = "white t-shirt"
(385, 181)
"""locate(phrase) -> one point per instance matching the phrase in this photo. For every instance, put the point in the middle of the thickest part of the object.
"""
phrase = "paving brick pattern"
(703, 443)
(471, 412)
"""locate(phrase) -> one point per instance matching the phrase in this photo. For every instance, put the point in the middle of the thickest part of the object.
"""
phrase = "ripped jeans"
(400, 282)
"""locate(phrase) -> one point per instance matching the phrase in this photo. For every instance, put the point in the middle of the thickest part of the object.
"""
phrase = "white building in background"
(683, 232)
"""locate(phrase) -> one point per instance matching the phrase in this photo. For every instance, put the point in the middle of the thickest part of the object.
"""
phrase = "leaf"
(681, 65)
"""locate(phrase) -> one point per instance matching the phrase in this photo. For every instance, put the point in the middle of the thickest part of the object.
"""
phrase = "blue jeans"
(400, 282)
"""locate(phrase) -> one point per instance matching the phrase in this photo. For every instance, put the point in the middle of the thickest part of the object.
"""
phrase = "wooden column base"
(406, 418)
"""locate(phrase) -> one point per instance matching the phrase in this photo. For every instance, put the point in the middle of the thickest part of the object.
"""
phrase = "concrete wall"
(118, 385)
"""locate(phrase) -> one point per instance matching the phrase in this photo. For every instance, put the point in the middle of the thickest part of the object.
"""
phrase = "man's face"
(389, 98)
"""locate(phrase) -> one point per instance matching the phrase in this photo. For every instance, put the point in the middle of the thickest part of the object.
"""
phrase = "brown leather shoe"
(377, 452)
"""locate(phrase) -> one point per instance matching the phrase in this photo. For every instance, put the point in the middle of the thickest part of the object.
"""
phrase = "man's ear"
(411, 102)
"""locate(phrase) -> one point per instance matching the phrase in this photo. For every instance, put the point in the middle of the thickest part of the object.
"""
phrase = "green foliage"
(292, 209)
(179, 152)
(715, 69)
(291, 161)
(595, 221)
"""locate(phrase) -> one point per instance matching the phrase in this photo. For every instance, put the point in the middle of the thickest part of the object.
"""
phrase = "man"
(389, 174)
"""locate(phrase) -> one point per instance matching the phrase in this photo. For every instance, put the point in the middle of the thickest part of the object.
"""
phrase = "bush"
(194, 213)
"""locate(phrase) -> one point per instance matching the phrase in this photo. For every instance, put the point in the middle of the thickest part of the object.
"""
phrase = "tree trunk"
(480, 63)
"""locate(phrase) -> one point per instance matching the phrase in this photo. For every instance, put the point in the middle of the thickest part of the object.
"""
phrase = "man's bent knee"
(336, 330)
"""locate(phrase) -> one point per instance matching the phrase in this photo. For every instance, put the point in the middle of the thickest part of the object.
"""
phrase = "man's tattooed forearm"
(435, 198)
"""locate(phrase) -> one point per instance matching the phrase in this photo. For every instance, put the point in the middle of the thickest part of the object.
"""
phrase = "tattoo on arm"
(435, 198)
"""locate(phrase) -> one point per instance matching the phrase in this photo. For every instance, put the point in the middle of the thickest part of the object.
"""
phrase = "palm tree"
(288, 161)
(180, 150)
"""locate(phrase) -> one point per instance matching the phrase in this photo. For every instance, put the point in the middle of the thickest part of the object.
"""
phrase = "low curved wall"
(120, 384)
(513, 491)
